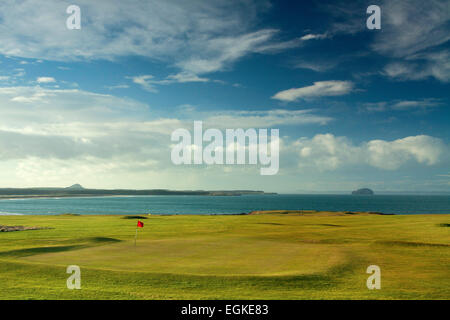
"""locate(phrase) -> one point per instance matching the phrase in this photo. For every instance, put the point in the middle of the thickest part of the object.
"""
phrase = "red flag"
(140, 224)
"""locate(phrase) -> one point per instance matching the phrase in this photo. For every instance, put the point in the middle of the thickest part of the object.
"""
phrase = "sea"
(210, 205)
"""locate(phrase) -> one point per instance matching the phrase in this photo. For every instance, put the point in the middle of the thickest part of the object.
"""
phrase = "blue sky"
(96, 106)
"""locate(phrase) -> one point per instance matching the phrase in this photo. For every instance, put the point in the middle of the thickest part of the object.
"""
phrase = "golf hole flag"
(140, 224)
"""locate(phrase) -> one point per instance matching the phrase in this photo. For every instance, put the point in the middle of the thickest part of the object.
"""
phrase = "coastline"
(259, 212)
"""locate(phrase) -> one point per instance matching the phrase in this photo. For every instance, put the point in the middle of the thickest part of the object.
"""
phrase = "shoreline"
(24, 197)
(308, 213)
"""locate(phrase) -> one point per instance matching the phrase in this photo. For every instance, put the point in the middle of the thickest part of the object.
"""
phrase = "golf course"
(266, 255)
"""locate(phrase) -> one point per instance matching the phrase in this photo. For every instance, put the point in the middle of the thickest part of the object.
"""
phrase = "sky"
(97, 106)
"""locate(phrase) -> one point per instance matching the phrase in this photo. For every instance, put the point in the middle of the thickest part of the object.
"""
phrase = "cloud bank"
(197, 37)
(328, 152)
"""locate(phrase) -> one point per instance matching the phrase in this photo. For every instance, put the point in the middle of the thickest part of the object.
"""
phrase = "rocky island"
(363, 191)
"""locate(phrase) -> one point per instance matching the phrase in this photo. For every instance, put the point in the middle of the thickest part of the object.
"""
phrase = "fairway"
(261, 256)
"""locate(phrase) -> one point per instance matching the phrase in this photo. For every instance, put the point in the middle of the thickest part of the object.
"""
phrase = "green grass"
(262, 256)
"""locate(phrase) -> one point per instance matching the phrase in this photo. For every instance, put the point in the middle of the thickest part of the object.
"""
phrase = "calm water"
(400, 204)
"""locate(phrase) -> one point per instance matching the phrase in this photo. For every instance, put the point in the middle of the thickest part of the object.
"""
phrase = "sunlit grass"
(276, 256)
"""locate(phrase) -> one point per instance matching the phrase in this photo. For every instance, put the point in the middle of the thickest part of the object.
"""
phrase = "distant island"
(78, 190)
(363, 191)
(76, 186)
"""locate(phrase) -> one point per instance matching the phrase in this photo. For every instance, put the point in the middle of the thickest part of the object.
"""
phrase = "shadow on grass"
(39, 250)
(103, 240)
(134, 217)
(91, 242)
(412, 244)
(444, 225)
(271, 223)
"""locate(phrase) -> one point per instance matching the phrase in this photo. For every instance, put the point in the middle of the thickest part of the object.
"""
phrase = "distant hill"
(363, 191)
(75, 187)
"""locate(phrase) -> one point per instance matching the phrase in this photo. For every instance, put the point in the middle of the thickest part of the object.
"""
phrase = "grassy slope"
(227, 257)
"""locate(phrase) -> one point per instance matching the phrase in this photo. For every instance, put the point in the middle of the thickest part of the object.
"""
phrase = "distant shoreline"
(37, 193)
(21, 197)
(210, 194)
(252, 213)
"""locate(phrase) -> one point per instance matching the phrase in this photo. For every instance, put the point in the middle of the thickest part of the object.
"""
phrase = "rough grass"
(260, 256)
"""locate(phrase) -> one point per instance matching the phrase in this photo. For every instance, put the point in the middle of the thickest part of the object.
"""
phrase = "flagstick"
(135, 237)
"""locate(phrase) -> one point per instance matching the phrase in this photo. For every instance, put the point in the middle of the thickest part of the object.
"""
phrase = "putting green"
(203, 256)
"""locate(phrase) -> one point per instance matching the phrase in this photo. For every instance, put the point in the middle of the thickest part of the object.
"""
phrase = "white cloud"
(57, 105)
(118, 86)
(45, 80)
(325, 152)
(421, 66)
(66, 133)
(264, 119)
(412, 35)
(148, 82)
(412, 26)
(413, 30)
(403, 105)
(220, 52)
(73, 134)
(183, 77)
(196, 36)
(311, 36)
(20, 72)
(375, 107)
(414, 104)
(145, 81)
(391, 155)
(328, 152)
(316, 66)
(72, 124)
(318, 89)
(50, 137)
